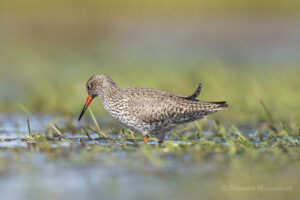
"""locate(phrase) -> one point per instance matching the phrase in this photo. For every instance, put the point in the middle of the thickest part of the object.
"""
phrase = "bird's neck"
(109, 93)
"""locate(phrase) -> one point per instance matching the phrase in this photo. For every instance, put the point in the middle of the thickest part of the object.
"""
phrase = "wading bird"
(148, 111)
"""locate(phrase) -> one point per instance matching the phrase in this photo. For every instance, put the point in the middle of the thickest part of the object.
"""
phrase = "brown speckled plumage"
(149, 111)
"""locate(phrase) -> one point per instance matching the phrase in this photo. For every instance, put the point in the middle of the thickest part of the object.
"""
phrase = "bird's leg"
(160, 136)
(160, 141)
(146, 139)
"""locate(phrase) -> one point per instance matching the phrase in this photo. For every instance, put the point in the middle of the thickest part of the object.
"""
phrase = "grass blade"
(56, 129)
(87, 133)
(26, 111)
(96, 123)
(269, 116)
(28, 125)
(239, 134)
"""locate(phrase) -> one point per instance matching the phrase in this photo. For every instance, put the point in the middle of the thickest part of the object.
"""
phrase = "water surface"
(72, 166)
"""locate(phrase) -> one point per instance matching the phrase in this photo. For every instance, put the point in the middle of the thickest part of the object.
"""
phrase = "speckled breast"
(119, 112)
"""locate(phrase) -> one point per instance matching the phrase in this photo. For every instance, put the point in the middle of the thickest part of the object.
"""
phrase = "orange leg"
(146, 139)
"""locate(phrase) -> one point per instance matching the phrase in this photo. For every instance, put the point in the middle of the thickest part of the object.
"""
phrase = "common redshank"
(148, 111)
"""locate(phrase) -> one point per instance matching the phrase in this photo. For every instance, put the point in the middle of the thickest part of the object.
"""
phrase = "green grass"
(253, 93)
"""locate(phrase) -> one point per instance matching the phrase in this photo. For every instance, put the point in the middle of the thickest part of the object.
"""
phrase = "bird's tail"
(214, 106)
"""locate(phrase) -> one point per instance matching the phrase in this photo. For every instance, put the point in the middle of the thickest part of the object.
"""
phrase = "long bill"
(87, 103)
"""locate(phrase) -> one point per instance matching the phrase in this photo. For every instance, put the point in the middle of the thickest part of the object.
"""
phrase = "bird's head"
(98, 85)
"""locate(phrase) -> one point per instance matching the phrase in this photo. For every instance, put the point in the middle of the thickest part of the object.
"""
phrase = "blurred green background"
(242, 52)
(245, 52)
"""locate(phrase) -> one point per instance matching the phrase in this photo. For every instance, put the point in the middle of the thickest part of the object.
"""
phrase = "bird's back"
(152, 106)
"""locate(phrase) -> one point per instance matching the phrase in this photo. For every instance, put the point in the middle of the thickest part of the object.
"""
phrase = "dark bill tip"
(82, 112)
(87, 103)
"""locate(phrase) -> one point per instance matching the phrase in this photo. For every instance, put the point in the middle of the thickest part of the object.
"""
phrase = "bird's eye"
(88, 86)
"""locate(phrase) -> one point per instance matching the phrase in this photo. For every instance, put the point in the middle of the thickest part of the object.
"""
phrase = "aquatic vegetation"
(204, 158)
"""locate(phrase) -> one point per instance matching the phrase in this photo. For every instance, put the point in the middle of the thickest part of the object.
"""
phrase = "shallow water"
(73, 166)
